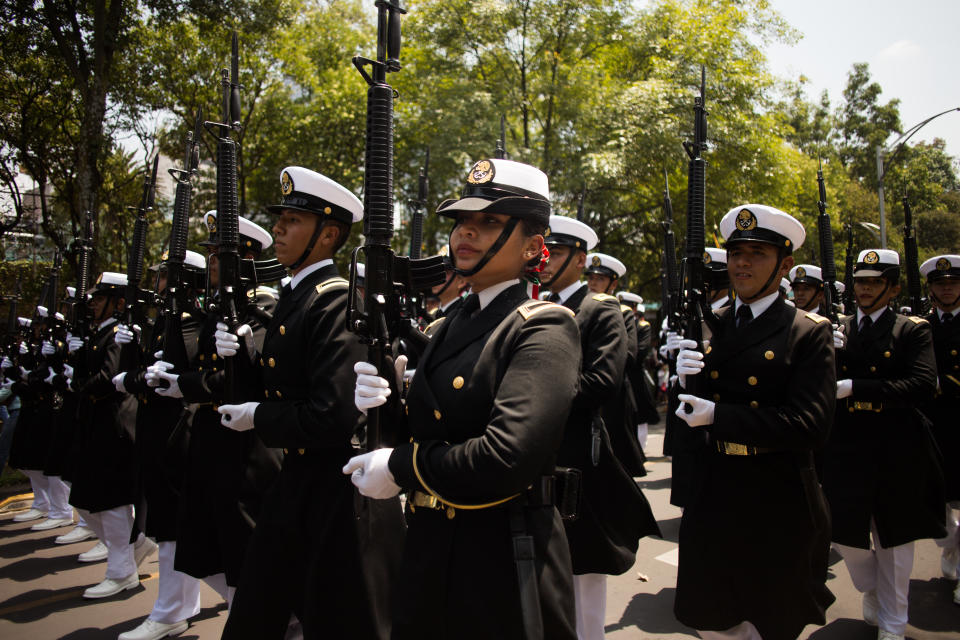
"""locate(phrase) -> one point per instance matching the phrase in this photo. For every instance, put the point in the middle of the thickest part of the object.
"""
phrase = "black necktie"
(865, 323)
(946, 318)
(553, 297)
(467, 309)
(285, 290)
(744, 315)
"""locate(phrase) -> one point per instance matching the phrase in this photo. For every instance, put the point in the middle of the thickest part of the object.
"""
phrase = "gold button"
(272, 362)
(200, 358)
(283, 330)
(94, 347)
(115, 329)
(279, 395)
(886, 354)
(709, 348)
(953, 352)
(873, 369)
(955, 367)
(752, 381)
(261, 362)
(437, 414)
(714, 375)
(754, 404)
(850, 409)
(213, 357)
(285, 450)
(266, 393)
(301, 451)
(406, 410)
(768, 355)
(458, 382)
(716, 397)
(450, 513)
(844, 367)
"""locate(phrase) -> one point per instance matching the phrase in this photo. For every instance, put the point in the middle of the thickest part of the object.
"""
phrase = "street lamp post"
(881, 171)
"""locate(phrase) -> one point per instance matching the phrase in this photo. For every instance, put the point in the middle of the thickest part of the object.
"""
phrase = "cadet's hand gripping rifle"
(828, 265)
(389, 279)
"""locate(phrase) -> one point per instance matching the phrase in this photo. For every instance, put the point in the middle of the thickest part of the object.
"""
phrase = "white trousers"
(58, 493)
(218, 582)
(178, 595)
(886, 571)
(39, 482)
(743, 631)
(113, 527)
(590, 597)
(643, 429)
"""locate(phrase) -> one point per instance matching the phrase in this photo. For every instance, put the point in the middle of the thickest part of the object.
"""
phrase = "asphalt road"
(41, 585)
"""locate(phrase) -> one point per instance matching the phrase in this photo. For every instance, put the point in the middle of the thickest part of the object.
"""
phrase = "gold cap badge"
(871, 258)
(481, 172)
(746, 221)
(286, 184)
(706, 257)
(801, 272)
(943, 264)
(596, 261)
(211, 223)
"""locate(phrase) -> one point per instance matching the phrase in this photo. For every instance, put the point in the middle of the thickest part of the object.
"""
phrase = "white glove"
(839, 338)
(6, 363)
(153, 371)
(47, 348)
(125, 335)
(228, 343)
(25, 373)
(702, 413)
(844, 388)
(7, 384)
(68, 373)
(370, 474)
(23, 348)
(50, 376)
(74, 343)
(371, 390)
(118, 382)
(172, 391)
(238, 417)
(689, 361)
(673, 340)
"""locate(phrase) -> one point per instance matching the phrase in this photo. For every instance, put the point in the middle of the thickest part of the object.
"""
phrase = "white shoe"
(79, 534)
(870, 607)
(883, 634)
(51, 523)
(948, 562)
(27, 516)
(143, 548)
(95, 554)
(111, 587)
(153, 630)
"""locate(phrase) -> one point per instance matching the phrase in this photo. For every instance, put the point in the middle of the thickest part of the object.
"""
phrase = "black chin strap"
(886, 287)
(492, 251)
(769, 281)
(563, 267)
(940, 302)
(318, 227)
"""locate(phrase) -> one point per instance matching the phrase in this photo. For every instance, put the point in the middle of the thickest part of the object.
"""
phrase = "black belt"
(737, 449)
(539, 494)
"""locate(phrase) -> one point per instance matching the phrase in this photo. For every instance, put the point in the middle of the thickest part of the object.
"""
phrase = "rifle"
(175, 295)
(418, 206)
(828, 265)
(78, 307)
(914, 291)
(389, 278)
(12, 337)
(848, 301)
(501, 151)
(231, 293)
(671, 274)
(694, 306)
(133, 312)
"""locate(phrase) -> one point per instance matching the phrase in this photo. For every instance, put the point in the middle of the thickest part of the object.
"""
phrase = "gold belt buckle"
(734, 449)
(425, 500)
(863, 406)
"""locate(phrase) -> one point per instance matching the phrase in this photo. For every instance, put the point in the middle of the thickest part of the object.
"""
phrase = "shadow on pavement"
(59, 600)
(90, 633)
(670, 529)
(25, 547)
(654, 485)
(845, 629)
(32, 568)
(932, 607)
(651, 612)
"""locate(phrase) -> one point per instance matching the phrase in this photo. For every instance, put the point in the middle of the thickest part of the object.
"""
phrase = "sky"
(911, 46)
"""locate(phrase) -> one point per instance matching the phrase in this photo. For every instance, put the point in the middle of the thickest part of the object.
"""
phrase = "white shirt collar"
(487, 295)
(569, 291)
(757, 307)
(444, 307)
(297, 279)
(107, 323)
(953, 313)
(873, 316)
(721, 302)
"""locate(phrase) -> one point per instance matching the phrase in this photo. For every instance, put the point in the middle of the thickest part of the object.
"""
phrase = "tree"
(865, 124)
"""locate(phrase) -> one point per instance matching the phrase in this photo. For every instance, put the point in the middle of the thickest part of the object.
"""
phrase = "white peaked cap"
(503, 186)
(113, 278)
(762, 223)
(716, 254)
(601, 262)
(71, 292)
(195, 260)
(245, 228)
(628, 296)
(570, 232)
(939, 266)
(785, 285)
(802, 271)
(24, 322)
(873, 263)
(840, 287)
(312, 192)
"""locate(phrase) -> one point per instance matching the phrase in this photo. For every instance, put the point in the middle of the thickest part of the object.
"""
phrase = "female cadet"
(485, 555)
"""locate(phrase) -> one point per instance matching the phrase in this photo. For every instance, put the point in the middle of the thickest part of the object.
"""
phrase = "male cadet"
(227, 472)
(162, 441)
(880, 469)
(612, 514)
(754, 537)
(640, 380)
(105, 473)
(716, 280)
(603, 273)
(943, 283)
(311, 554)
(807, 284)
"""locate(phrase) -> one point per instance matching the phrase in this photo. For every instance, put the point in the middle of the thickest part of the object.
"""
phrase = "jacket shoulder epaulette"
(816, 317)
(600, 297)
(433, 324)
(529, 309)
(917, 320)
(332, 284)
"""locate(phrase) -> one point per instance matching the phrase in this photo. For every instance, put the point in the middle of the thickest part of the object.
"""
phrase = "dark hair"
(532, 227)
(342, 227)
